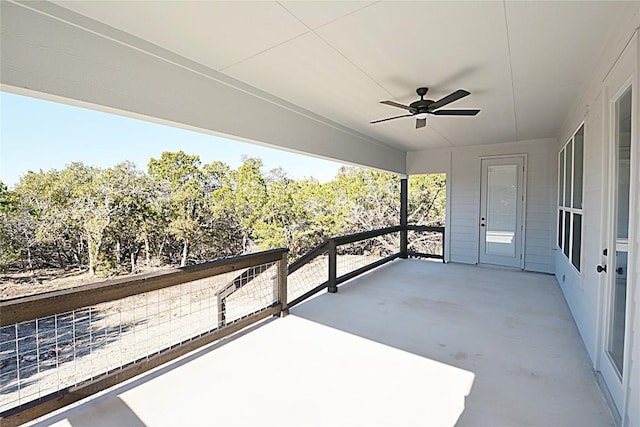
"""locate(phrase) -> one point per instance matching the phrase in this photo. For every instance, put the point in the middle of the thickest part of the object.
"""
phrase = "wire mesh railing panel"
(45, 355)
(425, 242)
(254, 291)
(353, 256)
(308, 277)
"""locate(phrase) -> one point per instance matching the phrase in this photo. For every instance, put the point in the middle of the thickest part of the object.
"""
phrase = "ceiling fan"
(421, 108)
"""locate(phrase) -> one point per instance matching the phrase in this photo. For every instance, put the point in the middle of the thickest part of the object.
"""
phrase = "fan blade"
(456, 112)
(390, 118)
(395, 104)
(460, 93)
(420, 123)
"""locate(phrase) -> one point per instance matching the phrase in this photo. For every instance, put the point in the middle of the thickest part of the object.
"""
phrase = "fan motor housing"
(422, 106)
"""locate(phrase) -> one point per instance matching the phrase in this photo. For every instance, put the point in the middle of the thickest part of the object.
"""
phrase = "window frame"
(565, 199)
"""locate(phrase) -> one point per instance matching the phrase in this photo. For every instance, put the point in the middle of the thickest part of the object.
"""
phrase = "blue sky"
(42, 135)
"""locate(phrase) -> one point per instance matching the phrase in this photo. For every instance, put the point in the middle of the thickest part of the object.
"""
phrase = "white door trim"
(624, 74)
(523, 216)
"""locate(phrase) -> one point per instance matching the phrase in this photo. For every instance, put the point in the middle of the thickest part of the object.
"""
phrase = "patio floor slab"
(411, 343)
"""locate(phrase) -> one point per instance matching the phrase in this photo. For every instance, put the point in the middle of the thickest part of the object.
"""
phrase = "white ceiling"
(524, 62)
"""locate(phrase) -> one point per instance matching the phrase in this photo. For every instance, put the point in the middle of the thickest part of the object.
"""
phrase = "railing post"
(221, 312)
(333, 264)
(444, 239)
(282, 284)
(404, 201)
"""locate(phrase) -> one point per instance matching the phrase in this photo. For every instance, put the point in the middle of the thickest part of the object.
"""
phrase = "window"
(570, 171)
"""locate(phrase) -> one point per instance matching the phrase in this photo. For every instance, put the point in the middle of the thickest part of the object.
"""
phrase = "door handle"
(619, 270)
(601, 268)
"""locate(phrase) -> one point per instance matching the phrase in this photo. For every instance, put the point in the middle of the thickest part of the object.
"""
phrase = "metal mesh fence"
(426, 242)
(358, 254)
(49, 354)
(253, 291)
(309, 276)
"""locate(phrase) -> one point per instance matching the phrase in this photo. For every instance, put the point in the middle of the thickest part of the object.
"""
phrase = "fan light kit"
(423, 107)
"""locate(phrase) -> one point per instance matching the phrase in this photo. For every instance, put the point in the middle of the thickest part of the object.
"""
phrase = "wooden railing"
(267, 270)
(46, 306)
(331, 247)
(428, 229)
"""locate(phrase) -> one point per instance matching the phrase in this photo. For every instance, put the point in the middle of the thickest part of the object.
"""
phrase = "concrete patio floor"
(411, 343)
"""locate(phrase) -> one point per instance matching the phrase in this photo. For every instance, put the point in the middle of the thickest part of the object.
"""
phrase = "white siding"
(464, 197)
(584, 291)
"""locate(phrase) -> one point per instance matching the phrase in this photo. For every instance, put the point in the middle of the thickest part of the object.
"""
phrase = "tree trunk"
(93, 248)
(164, 241)
(60, 260)
(29, 260)
(133, 262)
(185, 253)
(118, 253)
(147, 251)
(92, 269)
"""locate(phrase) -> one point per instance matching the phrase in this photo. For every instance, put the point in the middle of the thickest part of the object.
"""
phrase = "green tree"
(250, 196)
(49, 202)
(298, 214)
(427, 199)
(128, 229)
(179, 178)
(10, 227)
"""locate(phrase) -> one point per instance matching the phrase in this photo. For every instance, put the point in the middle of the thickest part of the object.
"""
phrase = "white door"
(501, 211)
(620, 195)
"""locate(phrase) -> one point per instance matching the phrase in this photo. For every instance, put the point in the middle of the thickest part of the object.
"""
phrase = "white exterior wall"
(584, 291)
(462, 165)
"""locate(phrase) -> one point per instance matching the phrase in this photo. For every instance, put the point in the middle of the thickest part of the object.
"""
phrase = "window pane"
(577, 240)
(561, 180)
(567, 218)
(567, 175)
(560, 220)
(502, 203)
(623, 118)
(578, 149)
(618, 312)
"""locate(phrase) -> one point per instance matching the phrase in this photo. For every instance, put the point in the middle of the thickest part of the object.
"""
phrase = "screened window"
(570, 188)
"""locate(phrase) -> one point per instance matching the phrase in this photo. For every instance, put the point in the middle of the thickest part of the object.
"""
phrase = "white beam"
(57, 54)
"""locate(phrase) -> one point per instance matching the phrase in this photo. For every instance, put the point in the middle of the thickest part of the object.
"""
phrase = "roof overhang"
(308, 76)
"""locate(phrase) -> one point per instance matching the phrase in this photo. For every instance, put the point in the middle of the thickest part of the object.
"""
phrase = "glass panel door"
(501, 211)
(618, 298)
(621, 193)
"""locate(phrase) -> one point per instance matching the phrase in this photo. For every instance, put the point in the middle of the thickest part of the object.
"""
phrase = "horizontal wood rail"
(57, 302)
(49, 303)
(309, 294)
(330, 247)
(425, 228)
(304, 259)
(356, 237)
(37, 408)
(366, 268)
(428, 228)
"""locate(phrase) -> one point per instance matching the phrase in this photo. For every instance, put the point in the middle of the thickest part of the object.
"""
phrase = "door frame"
(623, 75)
(523, 218)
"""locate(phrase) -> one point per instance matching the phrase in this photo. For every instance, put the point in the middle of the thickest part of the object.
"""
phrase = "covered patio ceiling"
(309, 76)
